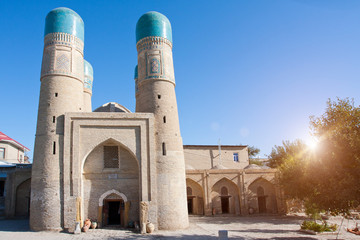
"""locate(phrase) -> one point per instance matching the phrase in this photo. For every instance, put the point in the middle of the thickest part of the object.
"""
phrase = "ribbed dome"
(153, 24)
(64, 20)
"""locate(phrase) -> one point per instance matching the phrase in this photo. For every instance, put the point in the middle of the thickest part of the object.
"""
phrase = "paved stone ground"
(254, 227)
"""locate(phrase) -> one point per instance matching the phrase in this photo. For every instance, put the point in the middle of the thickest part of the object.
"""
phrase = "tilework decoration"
(62, 63)
(63, 54)
(88, 83)
(153, 63)
(152, 43)
(65, 39)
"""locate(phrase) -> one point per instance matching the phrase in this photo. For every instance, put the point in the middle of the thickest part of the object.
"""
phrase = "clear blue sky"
(248, 72)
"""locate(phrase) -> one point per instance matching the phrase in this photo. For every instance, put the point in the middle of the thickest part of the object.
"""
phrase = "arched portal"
(113, 206)
(22, 206)
(110, 183)
(225, 197)
(195, 197)
(261, 196)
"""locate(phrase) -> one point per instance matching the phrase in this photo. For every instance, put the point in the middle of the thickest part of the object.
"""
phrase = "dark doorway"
(190, 205)
(114, 213)
(262, 204)
(261, 199)
(225, 204)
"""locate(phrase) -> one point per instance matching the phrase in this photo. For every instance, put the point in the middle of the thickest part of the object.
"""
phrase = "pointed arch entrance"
(195, 197)
(22, 205)
(225, 197)
(111, 184)
(113, 208)
(261, 196)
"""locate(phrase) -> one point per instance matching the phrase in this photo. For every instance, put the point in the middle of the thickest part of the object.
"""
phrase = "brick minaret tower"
(156, 94)
(62, 87)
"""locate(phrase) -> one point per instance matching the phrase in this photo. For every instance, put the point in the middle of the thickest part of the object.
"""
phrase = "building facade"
(15, 174)
(114, 166)
(220, 180)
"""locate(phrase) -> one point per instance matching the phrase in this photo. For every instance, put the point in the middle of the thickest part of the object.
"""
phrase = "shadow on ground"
(14, 225)
(255, 219)
(203, 237)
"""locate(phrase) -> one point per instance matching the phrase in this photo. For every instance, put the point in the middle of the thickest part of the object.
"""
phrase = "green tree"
(253, 151)
(338, 155)
(292, 160)
(290, 150)
(327, 179)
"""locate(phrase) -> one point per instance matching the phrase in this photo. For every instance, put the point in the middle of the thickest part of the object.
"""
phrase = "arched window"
(111, 157)
(189, 191)
(260, 191)
(224, 191)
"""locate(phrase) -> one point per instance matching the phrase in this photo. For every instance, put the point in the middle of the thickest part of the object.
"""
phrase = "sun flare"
(312, 143)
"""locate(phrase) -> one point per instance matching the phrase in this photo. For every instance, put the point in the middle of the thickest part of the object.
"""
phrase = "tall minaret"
(62, 83)
(88, 83)
(156, 94)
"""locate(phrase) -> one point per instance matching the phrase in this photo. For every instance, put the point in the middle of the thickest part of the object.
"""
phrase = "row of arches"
(225, 197)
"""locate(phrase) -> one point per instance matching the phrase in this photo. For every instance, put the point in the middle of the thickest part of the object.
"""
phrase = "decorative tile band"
(59, 57)
(88, 82)
(152, 43)
(65, 39)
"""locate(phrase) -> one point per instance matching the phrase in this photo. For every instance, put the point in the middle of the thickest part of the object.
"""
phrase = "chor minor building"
(117, 167)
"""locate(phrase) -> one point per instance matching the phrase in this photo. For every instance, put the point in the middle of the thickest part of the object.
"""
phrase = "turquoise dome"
(88, 70)
(153, 24)
(136, 72)
(64, 20)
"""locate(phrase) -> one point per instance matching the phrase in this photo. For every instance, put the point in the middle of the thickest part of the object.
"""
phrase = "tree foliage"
(327, 179)
(253, 151)
(279, 154)
(338, 167)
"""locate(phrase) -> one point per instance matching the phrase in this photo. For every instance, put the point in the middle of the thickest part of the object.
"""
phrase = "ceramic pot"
(150, 227)
(93, 225)
(85, 228)
(251, 210)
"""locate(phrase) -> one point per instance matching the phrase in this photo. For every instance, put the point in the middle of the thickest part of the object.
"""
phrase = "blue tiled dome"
(64, 20)
(153, 24)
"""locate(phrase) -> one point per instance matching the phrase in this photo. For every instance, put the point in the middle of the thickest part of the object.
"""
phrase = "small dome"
(64, 20)
(153, 24)
(252, 166)
(136, 72)
(112, 107)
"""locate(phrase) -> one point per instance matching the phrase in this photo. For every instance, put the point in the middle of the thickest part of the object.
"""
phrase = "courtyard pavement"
(252, 227)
